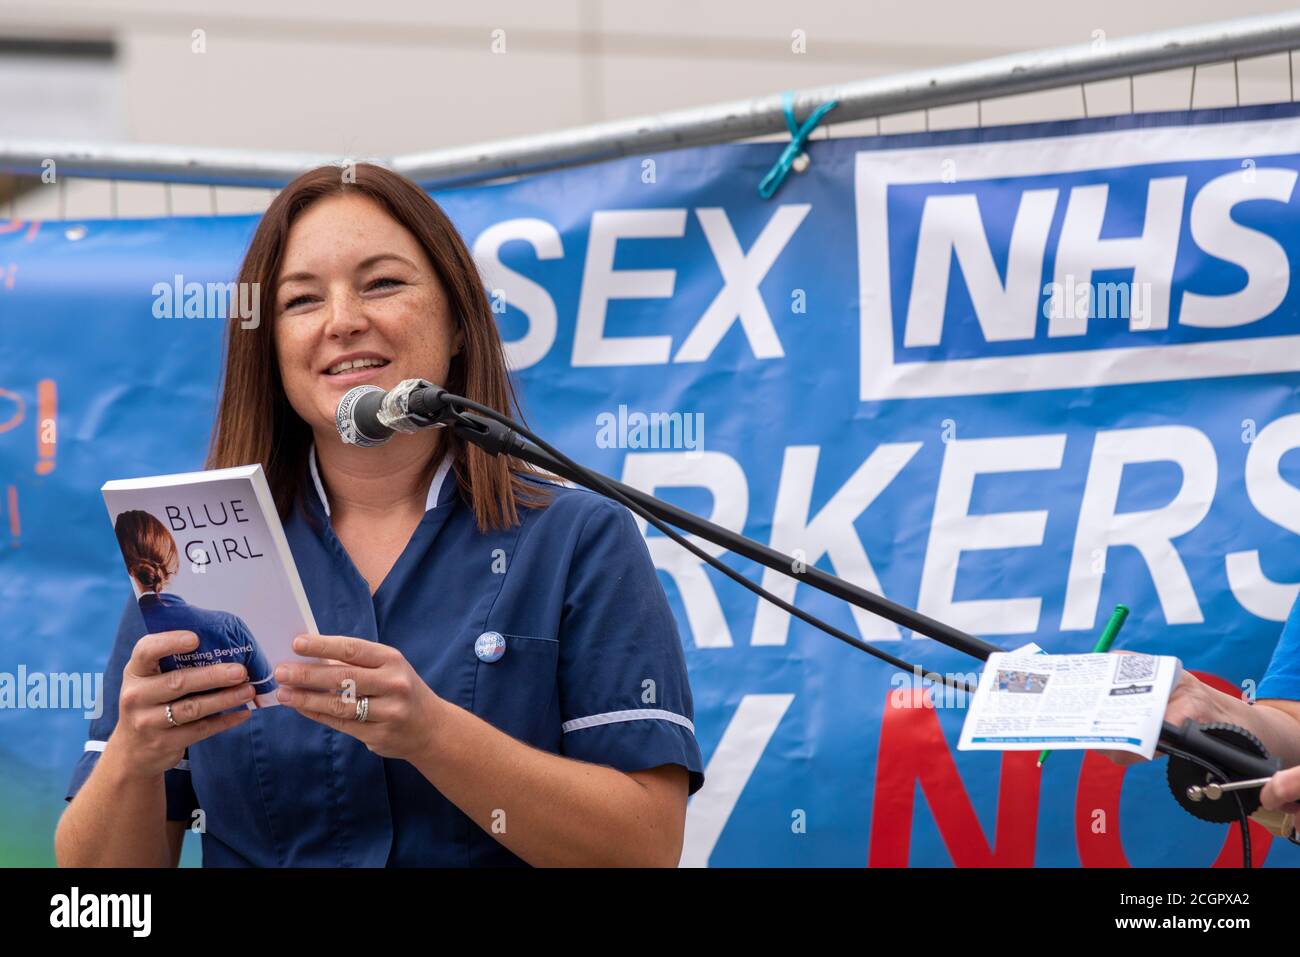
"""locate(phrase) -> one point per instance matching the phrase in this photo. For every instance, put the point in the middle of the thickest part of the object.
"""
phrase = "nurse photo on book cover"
(152, 560)
(497, 677)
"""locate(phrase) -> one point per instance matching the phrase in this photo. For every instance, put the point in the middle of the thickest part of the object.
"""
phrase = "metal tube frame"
(724, 122)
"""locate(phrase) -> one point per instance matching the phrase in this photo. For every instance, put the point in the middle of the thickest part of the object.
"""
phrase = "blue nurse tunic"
(582, 659)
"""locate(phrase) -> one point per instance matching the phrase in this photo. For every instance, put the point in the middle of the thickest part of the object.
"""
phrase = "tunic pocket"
(516, 687)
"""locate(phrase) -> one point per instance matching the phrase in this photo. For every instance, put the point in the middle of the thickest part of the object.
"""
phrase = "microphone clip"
(400, 413)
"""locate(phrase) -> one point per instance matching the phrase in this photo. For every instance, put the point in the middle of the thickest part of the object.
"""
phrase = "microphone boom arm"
(496, 438)
(1193, 748)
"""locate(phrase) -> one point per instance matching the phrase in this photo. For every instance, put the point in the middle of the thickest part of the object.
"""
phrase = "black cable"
(595, 479)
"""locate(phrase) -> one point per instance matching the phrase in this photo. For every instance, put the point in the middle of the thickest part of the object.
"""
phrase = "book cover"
(205, 552)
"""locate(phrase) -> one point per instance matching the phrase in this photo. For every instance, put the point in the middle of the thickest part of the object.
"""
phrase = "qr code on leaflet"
(1135, 668)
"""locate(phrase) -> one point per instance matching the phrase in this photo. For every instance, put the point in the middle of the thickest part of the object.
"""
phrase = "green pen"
(1103, 645)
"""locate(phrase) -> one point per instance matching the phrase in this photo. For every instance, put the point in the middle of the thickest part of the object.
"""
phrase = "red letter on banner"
(1100, 783)
(912, 749)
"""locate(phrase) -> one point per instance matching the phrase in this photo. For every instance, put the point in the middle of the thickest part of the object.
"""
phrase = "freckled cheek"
(413, 333)
(294, 354)
(430, 352)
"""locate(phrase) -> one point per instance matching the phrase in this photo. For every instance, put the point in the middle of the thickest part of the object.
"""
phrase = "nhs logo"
(1138, 255)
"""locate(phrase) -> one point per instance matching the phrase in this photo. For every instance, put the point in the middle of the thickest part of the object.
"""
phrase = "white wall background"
(390, 76)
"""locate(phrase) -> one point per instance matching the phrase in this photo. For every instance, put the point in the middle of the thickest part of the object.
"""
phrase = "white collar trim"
(430, 500)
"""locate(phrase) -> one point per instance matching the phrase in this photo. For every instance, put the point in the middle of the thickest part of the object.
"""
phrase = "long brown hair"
(255, 422)
(147, 547)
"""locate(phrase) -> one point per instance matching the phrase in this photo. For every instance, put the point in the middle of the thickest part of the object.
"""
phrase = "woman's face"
(358, 303)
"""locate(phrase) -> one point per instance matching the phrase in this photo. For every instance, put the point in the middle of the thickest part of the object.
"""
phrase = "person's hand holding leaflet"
(1274, 722)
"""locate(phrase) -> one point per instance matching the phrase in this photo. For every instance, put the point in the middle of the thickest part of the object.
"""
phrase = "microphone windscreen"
(357, 417)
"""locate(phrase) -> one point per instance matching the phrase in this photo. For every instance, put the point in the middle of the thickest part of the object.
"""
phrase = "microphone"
(367, 416)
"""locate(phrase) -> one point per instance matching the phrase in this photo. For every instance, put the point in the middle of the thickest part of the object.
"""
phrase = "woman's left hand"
(400, 711)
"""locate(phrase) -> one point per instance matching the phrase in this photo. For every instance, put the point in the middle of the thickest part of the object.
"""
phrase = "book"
(205, 552)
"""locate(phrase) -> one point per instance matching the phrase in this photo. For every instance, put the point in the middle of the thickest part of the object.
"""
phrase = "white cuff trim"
(182, 765)
(636, 714)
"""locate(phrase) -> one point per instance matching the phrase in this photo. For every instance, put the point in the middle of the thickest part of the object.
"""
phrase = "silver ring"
(171, 719)
(363, 708)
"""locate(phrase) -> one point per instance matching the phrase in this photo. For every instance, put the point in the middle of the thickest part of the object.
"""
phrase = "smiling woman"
(325, 248)
(496, 650)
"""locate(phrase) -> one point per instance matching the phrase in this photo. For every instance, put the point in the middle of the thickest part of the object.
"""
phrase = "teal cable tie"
(798, 138)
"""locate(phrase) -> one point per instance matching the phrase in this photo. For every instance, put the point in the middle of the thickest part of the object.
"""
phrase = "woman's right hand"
(143, 741)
